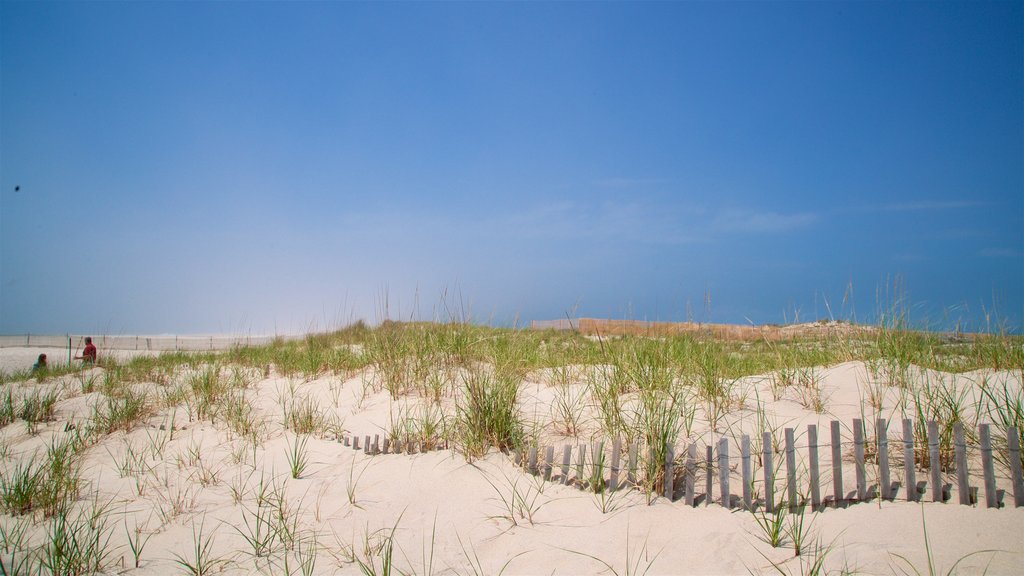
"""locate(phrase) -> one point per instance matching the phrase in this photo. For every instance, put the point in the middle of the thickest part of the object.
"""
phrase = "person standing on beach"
(89, 353)
(40, 365)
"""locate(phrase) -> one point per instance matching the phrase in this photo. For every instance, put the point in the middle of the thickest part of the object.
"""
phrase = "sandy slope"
(450, 516)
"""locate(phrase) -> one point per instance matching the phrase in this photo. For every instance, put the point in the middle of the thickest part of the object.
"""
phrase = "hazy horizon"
(280, 167)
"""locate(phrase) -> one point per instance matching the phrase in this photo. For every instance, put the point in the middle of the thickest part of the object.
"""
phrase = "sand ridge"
(442, 514)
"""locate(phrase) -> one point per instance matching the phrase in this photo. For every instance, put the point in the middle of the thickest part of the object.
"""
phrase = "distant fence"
(563, 324)
(802, 483)
(155, 343)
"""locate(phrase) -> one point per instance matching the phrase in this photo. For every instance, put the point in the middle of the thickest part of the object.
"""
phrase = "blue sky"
(277, 167)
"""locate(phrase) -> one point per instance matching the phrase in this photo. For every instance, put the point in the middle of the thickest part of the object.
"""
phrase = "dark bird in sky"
(17, 188)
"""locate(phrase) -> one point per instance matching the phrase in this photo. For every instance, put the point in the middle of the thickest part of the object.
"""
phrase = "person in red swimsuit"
(89, 353)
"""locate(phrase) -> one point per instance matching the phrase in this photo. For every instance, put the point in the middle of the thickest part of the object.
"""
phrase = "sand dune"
(175, 478)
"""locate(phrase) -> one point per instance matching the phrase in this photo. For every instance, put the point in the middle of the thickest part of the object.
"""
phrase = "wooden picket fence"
(376, 445)
(680, 475)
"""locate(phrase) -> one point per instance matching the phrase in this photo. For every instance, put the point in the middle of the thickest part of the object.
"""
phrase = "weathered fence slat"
(858, 457)
(347, 441)
(532, 463)
(837, 465)
(691, 473)
(597, 464)
(769, 472)
(934, 462)
(376, 444)
(709, 477)
(812, 456)
(566, 456)
(1016, 474)
(670, 457)
(791, 470)
(355, 442)
(549, 462)
(747, 480)
(960, 453)
(988, 467)
(909, 464)
(723, 472)
(882, 439)
(631, 476)
(386, 445)
(613, 482)
(579, 464)
(366, 445)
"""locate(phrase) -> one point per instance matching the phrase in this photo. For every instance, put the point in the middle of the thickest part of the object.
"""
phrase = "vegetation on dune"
(454, 383)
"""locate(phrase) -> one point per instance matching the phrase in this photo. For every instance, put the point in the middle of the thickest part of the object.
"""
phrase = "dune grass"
(446, 382)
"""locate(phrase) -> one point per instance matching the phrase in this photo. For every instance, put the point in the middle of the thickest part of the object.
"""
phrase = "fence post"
(669, 472)
(934, 461)
(882, 440)
(812, 449)
(613, 482)
(723, 472)
(579, 464)
(597, 464)
(745, 455)
(909, 462)
(858, 456)
(566, 456)
(837, 465)
(1016, 474)
(960, 452)
(769, 473)
(709, 477)
(549, 457)
(631, 476)
(791, 470)
(988, 467)
(532, 465)
(691, 473)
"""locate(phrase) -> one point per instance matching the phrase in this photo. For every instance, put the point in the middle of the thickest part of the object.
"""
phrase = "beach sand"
(172, 481)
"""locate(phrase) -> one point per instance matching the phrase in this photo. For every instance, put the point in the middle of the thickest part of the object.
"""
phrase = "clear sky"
(260, 167)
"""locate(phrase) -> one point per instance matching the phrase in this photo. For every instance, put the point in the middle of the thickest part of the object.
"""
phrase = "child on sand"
(40, 365)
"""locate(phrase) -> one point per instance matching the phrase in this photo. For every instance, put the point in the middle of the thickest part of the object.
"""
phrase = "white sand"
(453, 517)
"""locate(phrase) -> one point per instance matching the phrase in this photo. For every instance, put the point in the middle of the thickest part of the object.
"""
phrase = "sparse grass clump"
(487, 413)
(36, 408)
(237, 410)
(302, 415)
(121, 412)
(48, 485)
(206, 387)
(7, 410)
(78, 541)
